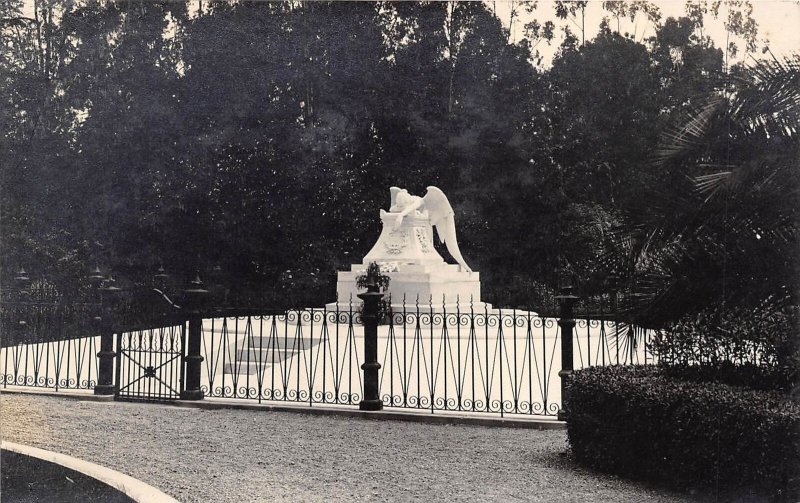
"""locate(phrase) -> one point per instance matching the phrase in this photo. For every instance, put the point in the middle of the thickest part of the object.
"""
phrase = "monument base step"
(252, 357)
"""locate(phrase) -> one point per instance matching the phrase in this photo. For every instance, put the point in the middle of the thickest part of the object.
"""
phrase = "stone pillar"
(195, 297)
(566, 320)
(369, 317)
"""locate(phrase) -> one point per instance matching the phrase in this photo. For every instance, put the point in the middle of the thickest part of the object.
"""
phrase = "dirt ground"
(243, 456)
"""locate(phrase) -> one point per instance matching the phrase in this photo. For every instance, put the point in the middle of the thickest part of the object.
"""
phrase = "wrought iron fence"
(48, 345)
(603, 341)
(472, 360)
(503, 361)
(433, 356)
(66, 364)
(40, 322)
(310, 355)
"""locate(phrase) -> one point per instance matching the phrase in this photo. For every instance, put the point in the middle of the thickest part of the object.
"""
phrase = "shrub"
(751, 347)
(746, 375)
(638, 422)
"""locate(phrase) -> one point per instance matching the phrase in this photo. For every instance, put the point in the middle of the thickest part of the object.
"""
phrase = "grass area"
(26, 479)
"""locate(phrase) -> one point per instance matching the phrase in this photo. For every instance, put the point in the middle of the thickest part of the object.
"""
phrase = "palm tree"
(721, 229)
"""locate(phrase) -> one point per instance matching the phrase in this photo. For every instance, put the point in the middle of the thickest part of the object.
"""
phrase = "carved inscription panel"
(396, 241)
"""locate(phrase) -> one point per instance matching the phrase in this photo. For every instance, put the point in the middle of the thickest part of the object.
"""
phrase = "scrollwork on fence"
(449, 357)
(310, 356)
(67, 364)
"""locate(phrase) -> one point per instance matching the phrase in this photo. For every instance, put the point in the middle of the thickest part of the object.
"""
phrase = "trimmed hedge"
(746, 375)
(638, 422)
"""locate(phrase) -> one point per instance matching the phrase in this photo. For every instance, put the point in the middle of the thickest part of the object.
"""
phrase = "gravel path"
(241, 456)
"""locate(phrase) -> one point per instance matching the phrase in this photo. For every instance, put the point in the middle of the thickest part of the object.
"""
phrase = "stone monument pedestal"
(417, 273)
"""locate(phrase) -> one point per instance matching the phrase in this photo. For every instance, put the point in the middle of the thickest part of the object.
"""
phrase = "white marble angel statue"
(436, 207)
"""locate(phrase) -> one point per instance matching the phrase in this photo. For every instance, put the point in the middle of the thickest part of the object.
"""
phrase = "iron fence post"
(566, 320)
(195, 295)
(370, 316)
(105, 364)
(105, 361)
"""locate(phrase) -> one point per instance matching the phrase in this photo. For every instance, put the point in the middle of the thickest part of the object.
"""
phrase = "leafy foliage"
(637, 422)
(259, 138)
(762, 341)
(720, 224)
(373, 276)
(275, 171)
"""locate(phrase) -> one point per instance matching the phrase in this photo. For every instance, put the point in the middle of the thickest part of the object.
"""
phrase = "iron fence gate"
(150, 363)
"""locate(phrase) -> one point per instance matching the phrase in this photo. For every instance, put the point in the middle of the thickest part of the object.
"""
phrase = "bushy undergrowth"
(639, 422)
(746, 347)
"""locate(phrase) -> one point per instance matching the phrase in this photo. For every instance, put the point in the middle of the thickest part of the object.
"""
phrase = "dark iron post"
(370, 315)
(566, 320)
(195, 296)
(105, 365)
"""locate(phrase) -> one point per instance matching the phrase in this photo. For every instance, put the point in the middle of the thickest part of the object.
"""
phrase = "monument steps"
(266, 355)
(264, 352)
(274, 342)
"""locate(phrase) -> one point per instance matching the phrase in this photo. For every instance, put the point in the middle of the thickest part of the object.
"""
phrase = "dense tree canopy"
(258, 140)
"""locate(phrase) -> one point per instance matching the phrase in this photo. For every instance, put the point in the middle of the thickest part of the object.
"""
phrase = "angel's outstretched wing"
(442, 218)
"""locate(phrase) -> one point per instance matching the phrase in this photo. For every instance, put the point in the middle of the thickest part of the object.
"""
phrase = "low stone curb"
(72, 394)
(420, 416)
(390, 414)
(134, 489)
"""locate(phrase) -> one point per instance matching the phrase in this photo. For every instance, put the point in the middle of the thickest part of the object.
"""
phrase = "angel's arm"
(417, 202)
(411, 207)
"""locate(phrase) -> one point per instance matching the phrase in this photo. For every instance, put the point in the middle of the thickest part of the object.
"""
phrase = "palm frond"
(689, 134)
(711, 183)
(726, 224)
(767, 97)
